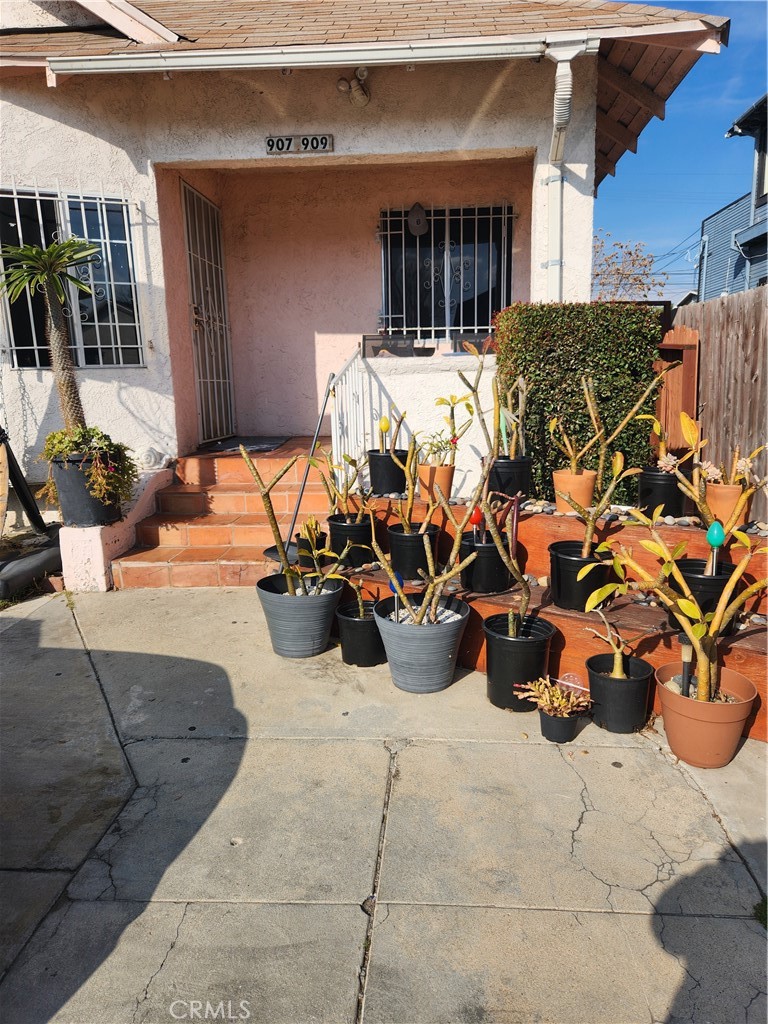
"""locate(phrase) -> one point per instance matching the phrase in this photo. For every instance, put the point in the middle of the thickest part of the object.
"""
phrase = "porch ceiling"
(644, 52)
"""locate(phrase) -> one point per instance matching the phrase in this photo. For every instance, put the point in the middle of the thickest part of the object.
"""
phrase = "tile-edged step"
(209, 566)
(238, 499)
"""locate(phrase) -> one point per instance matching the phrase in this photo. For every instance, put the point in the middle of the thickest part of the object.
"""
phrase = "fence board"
(733, 390)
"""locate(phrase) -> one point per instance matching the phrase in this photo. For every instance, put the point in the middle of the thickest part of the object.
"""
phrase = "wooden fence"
(733, 367)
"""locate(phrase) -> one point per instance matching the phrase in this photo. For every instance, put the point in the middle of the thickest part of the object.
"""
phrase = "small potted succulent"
(298, 606)
(385, 463)
(437, 452)
(570, 560)
(348, 521)
(89, 473)
(517, 644)
(703, 726)
(560, 708)
(657, 484)
(359, 634)
(619, 684)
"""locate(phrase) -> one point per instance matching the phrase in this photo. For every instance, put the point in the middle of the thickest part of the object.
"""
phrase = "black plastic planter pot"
(565, 563)
(356, 533)
(298, 626)
(487, 574)
(706, 589)
(386, 477)
(619, 705)
(558, 730)
(514, 660)
(658, 488)
(422, 659)
(78, 506)
(407, 549)
(361, 642)
(511, 475)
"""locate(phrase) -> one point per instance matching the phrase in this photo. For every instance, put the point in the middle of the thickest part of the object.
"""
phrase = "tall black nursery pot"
(515, 659)
(656, 488)
(361, 642)
(511, 475)
(386, 477)
(706, 589)
(558, 730)
(78, 507)
(357, 533)
(487, 574)
(565, 561)
(407, 549)
(619, 705)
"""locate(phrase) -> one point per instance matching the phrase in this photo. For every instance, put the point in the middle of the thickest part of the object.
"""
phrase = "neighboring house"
(733, 240)
(272, 181)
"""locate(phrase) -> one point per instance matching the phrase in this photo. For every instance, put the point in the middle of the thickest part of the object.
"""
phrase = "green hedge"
(553, 345)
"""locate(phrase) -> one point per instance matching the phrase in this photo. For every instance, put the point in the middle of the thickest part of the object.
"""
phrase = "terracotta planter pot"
(722, 499)
(580, 486)
(699, 732)
(431, 476)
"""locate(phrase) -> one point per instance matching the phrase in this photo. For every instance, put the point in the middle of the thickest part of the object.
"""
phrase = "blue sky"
(684, 168)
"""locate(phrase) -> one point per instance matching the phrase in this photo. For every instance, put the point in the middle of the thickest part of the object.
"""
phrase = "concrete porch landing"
(188, 817)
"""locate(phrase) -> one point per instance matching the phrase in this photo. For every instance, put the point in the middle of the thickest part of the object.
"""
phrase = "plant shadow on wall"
(64, 787)
(720, 952)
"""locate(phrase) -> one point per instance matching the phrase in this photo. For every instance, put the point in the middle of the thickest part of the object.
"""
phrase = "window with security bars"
(104, 325)
(449, 279)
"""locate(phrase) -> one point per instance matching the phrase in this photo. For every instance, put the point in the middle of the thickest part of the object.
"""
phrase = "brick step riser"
(208, 471)
(240, 503)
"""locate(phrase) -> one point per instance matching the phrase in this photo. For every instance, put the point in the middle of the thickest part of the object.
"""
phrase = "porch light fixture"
(417, 220)
(357, 92)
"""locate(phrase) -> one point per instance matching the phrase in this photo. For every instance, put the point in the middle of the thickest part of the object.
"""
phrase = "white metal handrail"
(350, 412)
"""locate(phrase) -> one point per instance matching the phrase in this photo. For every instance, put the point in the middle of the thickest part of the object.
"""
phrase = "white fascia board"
(370, 54)
(129, 20)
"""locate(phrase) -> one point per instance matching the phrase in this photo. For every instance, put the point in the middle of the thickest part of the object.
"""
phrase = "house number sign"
(279, 145)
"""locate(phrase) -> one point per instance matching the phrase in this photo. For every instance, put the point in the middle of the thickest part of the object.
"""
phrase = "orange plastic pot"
(580, 486)
(722, 499)
(432, 476)
(702, 733)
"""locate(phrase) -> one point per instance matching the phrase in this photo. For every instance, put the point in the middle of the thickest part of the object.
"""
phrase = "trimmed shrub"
(553, 345)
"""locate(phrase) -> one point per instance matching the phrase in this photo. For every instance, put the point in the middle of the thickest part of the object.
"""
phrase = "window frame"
(82, 207)
(443, 222)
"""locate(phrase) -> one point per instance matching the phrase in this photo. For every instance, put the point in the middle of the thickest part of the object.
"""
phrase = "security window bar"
(104, 327)
(452, 279)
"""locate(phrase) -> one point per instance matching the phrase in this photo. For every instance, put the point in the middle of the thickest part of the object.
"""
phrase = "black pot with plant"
(361, 642)
(487, 574)
(348, 522)
(619, 684)
(90, 474)
(387, 475)
(515, 655)
(560, 708)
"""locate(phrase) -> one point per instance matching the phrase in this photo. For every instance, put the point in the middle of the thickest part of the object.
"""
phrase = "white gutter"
(331, 56)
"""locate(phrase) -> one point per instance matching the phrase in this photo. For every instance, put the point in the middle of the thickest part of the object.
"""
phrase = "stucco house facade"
(270, 182)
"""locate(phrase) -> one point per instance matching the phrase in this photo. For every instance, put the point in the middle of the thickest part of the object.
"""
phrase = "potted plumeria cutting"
(619, 682)
(511, 472)
(657, 483)
(560, 708)
(385, 462)
(361, 642)
(299, 606)
(706, 706)
(437, 452)
(407, 537)
(348, 521)
(90, 475)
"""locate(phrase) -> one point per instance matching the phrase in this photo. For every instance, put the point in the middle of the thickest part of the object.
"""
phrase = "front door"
(209, 317)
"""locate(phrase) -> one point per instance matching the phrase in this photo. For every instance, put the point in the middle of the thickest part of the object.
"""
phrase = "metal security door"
(209, 317)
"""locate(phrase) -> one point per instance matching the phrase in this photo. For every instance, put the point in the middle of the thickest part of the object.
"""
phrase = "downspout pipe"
(555, 180)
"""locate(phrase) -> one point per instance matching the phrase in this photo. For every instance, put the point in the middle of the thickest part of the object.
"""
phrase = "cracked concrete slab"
(271, 820)
(470, 965)
(555, 828)
(273, 696)
(63, 770)
(125, 963)
(26, 897)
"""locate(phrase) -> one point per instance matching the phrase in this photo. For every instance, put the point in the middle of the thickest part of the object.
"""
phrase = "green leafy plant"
(703, 631)
(110, 470)
(553, 346)
(552, 699)
(437, 449)
(108, 466)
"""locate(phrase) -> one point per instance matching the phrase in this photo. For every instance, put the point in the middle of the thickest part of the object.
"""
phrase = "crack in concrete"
(748, 1007)
(368, 906)
(168, 952)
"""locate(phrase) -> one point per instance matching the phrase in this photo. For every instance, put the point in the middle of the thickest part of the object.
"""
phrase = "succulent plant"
(553, 699)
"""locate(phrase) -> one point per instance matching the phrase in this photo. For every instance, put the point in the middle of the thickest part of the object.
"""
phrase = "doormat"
(251, 444)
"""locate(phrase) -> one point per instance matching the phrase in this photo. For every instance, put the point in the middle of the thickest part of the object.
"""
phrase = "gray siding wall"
(725, 269)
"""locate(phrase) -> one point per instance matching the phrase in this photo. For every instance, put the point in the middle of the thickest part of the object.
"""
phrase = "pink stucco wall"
(304, 269)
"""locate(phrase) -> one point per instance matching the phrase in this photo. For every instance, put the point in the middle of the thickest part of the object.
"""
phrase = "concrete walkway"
(195, 829)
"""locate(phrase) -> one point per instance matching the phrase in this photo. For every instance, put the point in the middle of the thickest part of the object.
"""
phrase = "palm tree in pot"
(108, 473)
